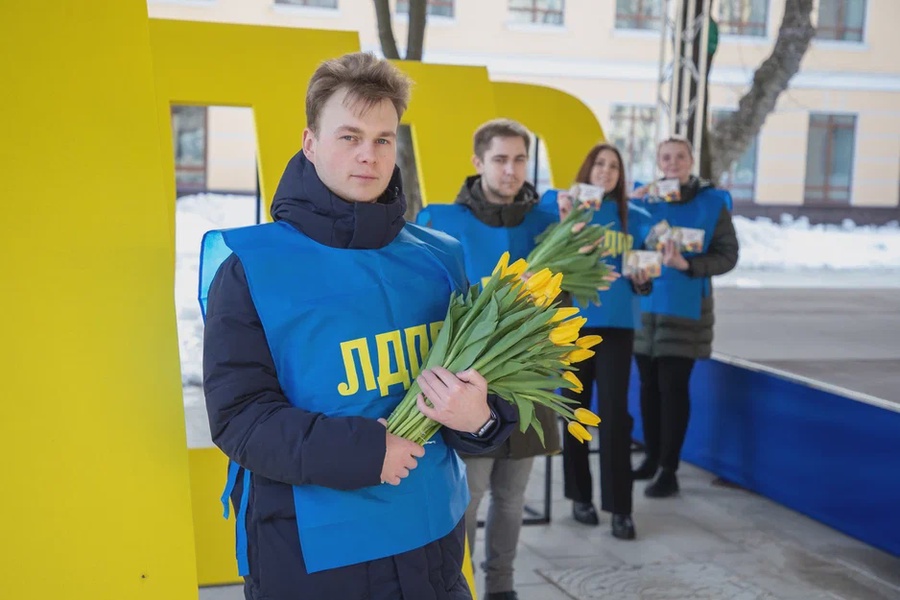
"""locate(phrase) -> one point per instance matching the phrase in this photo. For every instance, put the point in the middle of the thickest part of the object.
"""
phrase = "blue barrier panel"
(810, 447)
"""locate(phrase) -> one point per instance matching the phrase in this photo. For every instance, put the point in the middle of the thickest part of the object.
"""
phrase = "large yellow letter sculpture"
(95, 502)
(562, 121)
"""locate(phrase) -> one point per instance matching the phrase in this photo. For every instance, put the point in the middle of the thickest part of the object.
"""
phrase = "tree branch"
(386, 29)
(415, 40)
(733, 134)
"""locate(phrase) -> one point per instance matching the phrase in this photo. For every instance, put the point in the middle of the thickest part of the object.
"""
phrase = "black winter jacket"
(254, 424)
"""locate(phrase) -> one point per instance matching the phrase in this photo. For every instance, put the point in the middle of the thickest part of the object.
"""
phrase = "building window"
(841, 20)
(632, 132)
(544, 12)
(539, 165)
(189, 139)
(638, 14)
(829, 158)
(743, 17)
(436, 8)
(740, 179)
(311, 3)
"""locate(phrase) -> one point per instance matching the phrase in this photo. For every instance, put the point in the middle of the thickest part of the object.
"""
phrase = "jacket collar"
(496, 215)
(303, 201)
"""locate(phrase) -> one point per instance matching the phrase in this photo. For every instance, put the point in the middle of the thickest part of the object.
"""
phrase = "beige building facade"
(833, 141)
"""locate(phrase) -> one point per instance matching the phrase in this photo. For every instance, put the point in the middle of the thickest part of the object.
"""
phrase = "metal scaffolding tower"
(683, 65)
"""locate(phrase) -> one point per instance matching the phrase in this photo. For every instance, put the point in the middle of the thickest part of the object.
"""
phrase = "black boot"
(665, 485)
(584, 512)
(502, 596)
(622, 527)
(647, 470)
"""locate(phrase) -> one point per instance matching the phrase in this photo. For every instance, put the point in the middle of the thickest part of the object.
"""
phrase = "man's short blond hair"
(498, 128)
(367, 79)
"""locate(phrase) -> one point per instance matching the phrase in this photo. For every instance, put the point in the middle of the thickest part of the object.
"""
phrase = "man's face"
(502, 168)
(675, 161)
(354, 153)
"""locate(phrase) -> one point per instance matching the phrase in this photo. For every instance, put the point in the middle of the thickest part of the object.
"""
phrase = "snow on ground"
(791, 253)
(194, 216)
(795, 244)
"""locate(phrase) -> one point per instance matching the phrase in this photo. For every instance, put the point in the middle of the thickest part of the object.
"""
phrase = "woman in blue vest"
(310, 341)
(610, 367)
(678, 316)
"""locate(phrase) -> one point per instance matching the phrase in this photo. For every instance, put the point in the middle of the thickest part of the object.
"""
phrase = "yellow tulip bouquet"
(512, 333)
(574, 248)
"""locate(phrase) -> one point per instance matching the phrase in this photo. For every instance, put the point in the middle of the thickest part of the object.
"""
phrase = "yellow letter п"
(419, 334)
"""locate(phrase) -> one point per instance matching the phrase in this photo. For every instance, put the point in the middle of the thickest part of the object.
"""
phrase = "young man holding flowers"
(496, 212)
(299, 373)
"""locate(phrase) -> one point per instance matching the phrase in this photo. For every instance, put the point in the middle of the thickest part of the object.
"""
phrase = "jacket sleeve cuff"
(354, 456)
(466, 443)
(690, 269)
(643, 290)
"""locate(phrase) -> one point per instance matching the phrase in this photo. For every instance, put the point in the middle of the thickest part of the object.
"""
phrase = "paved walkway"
(712, 542)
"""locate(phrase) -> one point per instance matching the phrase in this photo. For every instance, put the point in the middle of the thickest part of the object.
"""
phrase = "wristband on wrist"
(487, 426)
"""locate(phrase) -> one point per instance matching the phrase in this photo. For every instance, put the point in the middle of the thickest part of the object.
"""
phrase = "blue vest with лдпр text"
(352, 348)
(484, 244)
(674, 292)
(619, 306)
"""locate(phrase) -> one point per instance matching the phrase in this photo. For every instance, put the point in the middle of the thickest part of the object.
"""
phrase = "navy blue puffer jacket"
(254, 424)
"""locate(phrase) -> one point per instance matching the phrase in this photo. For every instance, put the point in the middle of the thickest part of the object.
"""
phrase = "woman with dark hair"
(610, 368)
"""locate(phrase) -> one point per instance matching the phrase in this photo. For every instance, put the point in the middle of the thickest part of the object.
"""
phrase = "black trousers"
(665, 406)
(609, 369)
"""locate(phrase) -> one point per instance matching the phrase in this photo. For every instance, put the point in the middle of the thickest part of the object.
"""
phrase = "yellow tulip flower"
(571, 378)
(588, 341)
(518, 268)
(502, 264)
(553, 287)
(587, 417)
(538, 280)
(579, 432)
(567, 332)
(562, 314)
(562, 336)
(578, 355)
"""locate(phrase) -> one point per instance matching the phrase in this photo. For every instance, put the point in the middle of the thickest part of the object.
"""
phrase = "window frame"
(743, 25)
(628, 148)
(830, 127)
(839, 28)
(301, 4)
(534, 11)
(714, 115)
(639, 17)
(428, 7)
(203, 169)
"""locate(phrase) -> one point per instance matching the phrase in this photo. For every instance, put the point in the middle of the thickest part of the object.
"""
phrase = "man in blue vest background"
(498, 211)
(316, 325)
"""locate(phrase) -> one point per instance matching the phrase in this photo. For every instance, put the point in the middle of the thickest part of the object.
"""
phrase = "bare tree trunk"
(415, 37)
(386, 30)
(406, 159)
(735, 133)
(415, 42)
